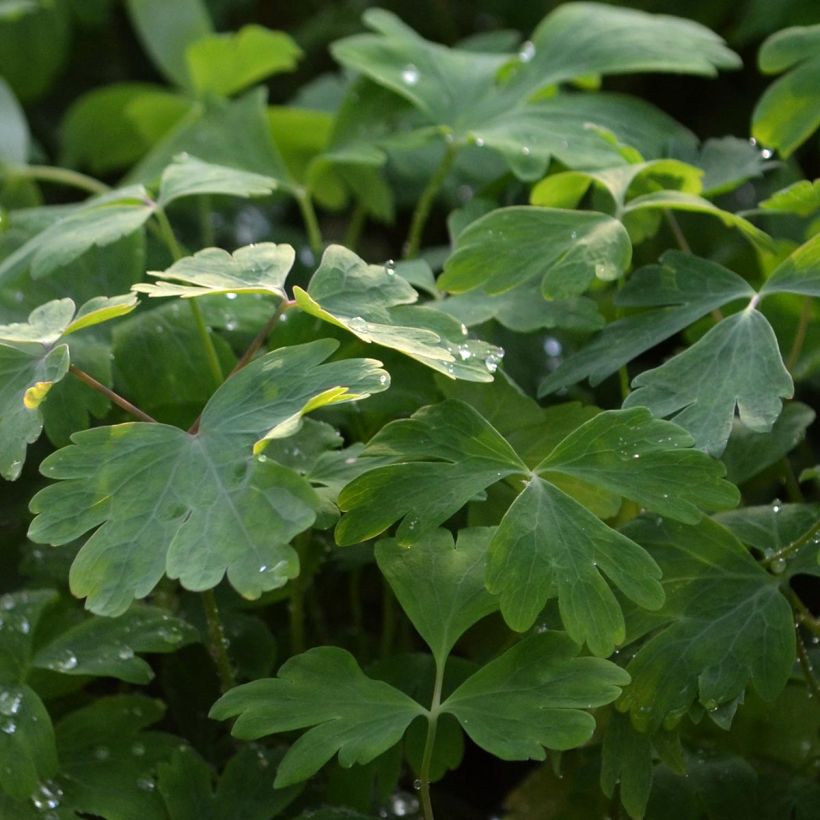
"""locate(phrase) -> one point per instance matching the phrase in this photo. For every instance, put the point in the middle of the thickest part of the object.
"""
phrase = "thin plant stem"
(800, 335)
(260, 337)
(804, 615)
(425, 203)
(206, 225)
(207, 343)
(388, 620)
(795, 546)
(217, 642)
(168, 235)
(429, 744)
(126, 405)
(683, 244)
(806, 665)
(790, 480)
(314, 232)
(355, 227)
(61, 176)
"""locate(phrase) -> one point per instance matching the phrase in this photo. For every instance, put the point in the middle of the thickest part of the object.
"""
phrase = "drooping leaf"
(108, 763)
(226, 63)
(259, 268)
(748, 453)
(546, 690)
(27, 750)
(194, 506)
(325, 689)
(788, 113)
(166, 31)
(736, 364)
(453, 597)
(683, 288)
(626, 760)
(376, 305)
(563, 250)
(645, 459)
(548, 545)
(798, 273)
(446, 453)
(244, 789)
(14, 133)
(100, 221)
(109, 646)
(724, 624)
(190, 176)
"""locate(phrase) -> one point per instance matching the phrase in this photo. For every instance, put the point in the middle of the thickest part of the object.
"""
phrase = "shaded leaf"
(724, 624)
(446, 454)
(325, 689)
(14, 133)
(453, 597)
(683, 287)
(798, 273)
(548, 545)
(546, 688)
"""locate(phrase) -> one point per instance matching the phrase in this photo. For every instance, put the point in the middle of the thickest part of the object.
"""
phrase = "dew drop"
(463, 329)
(65, 663)
(527, 52)
(357, 324)
(125, 653)
(230, 296)
(10, 703)
(766, 153)
(146, 784)
(383, 379)
(138, 749)
(390, 267)
(479, 142)
(410, 75)
(102, 753)
(263, 568)
(525, 150)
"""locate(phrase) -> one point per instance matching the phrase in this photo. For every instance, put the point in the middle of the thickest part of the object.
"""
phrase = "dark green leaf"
(14, 133)
(724, 624)
(548, 545)
(683, 287)
(626, 759)
(453, 597)
(546, 688)
(323, 688)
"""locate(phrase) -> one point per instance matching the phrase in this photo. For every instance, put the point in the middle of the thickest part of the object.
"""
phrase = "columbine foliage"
(299, 485)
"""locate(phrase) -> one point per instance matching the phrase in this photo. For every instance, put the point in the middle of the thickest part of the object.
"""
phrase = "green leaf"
(645, 459)
(167, 30)
(100, 221)
(376, 305)
(682, 201)
(788, 112)
(325, 689)
(124, 140)
(27, 750)
(108, 646)
(728, 162)
(193, 506)
(736, 364)
(244, 790)
(189, 176)
(446, 454)
(724, 624)
(260, 268)
(107, 764)
(21, 613)
(798, 273)
(801, 198)
(626, 759)
(14, 133)
(683, 287)
(548, 545)
(748, 453)
(546, 690)
(564, 250)
(226, 63)
(453, 597)
(231, 133)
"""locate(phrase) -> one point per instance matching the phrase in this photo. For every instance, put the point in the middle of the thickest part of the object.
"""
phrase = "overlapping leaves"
(196, 506)
(547, 545)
